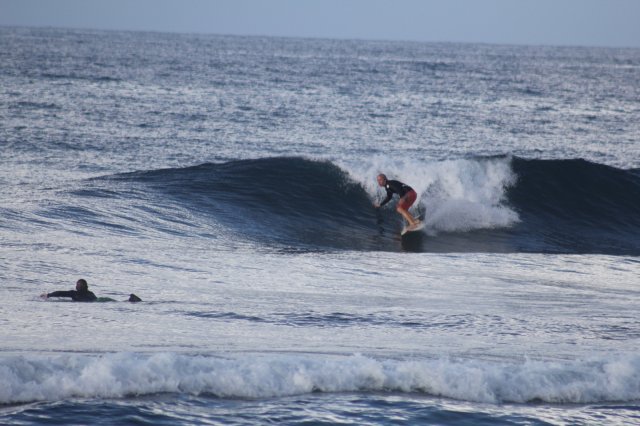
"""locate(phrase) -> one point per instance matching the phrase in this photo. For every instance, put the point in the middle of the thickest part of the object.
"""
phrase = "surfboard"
(408, 229)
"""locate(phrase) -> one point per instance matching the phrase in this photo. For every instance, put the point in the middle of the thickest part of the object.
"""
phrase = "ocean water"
(229, 183)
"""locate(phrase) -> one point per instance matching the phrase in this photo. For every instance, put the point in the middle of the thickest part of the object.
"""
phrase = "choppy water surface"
(229, 182)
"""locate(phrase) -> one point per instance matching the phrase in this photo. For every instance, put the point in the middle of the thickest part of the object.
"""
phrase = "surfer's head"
(82, 286)
(382, 179)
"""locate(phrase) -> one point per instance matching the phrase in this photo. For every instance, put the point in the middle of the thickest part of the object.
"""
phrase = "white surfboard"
(414, 228)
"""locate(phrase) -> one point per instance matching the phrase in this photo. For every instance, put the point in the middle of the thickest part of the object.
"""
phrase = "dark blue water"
(308, 410)
(311, 410)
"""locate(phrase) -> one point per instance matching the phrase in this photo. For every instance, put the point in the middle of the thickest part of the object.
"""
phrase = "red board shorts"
(408, 199)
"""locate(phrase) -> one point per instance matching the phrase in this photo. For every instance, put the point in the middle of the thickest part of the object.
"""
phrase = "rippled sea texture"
(229, 182)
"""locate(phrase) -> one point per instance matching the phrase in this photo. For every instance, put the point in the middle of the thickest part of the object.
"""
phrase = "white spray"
(453, 195)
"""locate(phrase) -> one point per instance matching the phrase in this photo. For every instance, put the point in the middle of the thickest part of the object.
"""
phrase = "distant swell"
(497, 204)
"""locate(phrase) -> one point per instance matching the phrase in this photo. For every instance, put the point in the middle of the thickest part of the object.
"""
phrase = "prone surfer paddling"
(82, 294)
(407, 197)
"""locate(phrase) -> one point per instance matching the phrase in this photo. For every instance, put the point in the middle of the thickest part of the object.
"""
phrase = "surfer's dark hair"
(83, 286)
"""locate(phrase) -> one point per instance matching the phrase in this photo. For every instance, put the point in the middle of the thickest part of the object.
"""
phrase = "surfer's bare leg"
(408, 217)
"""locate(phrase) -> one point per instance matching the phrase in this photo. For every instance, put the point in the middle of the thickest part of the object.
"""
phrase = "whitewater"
(230, 181)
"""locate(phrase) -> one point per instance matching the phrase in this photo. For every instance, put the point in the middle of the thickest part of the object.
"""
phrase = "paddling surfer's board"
(409, 229)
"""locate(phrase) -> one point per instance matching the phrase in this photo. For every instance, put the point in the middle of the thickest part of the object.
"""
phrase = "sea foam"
(453, 195)
(116, 375)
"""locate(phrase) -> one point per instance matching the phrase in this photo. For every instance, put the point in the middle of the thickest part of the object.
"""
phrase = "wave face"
(290, 201)
(575, 206)
(497, 204)
(42, 378)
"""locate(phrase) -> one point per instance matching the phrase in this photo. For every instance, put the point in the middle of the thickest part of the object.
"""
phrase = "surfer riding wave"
(407, 195)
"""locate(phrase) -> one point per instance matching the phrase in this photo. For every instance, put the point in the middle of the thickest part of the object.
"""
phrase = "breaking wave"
(118, 375)
(486, 204)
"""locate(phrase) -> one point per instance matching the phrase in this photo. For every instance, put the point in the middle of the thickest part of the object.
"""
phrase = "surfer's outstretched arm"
(385, 201)
(69, 293)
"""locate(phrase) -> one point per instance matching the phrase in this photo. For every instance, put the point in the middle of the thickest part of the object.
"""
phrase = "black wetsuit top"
(395, 187)
(77, 296)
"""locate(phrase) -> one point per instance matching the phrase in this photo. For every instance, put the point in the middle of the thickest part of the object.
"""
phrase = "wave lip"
(119, 375)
